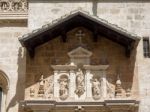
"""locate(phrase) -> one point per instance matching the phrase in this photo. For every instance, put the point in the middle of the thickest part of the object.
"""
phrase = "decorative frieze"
(13, 6)
(78, 81)
(13, 12)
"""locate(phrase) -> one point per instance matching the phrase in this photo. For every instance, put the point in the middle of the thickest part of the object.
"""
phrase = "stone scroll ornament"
(80, 83)
(96, 91)
(63, 87)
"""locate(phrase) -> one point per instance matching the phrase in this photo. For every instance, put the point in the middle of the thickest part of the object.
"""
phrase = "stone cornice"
(113, 105)
(96, 67)
(64, 67)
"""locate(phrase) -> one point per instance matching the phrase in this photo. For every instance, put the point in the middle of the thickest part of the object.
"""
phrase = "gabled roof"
(77, 19)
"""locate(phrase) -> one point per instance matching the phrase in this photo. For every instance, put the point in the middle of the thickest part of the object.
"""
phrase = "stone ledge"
(20, 22)
(47, 105)
(13, 15)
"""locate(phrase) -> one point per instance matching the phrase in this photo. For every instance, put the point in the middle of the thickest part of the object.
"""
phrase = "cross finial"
(80, 35)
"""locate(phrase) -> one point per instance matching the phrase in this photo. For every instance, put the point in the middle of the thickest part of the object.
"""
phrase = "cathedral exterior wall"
(133, 16)
(11, 56)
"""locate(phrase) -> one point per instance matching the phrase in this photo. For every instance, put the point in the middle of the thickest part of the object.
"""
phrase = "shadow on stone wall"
(20, 86)
(13, 23)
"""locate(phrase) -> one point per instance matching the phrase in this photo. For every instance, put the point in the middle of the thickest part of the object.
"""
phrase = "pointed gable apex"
(75, 19)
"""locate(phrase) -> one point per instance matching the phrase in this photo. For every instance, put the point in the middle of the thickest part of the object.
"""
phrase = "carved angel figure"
(64, 89)
(79, 83)
(96, 91)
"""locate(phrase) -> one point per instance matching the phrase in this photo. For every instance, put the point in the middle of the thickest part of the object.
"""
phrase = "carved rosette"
(13, 6)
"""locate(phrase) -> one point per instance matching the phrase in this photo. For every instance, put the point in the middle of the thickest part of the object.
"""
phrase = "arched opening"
(0, 98)
(4, 85)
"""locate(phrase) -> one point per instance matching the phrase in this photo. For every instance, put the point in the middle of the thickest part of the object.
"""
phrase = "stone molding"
(64, 67)
(95, 67)
(13, 9)
(111, 105)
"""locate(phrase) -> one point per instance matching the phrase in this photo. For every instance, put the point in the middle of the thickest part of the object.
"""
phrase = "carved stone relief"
(49, 89)
(80, 83)
(118, 88)
(4, 6)
(96, 88)
(42, 90)
(41, 87)
(128, 92)
(110, 90)
(32, 92)
(13, 5)
(64, 87)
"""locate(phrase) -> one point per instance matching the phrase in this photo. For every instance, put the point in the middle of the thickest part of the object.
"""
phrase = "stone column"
(103, 84)
(88, 77)
(56, 85)
(72, 84)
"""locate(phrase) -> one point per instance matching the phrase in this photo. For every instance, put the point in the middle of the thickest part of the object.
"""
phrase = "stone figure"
(128, 92)
(64, 89)
(49, 89)
(80, 83)
(118, 88)
(32, 92)
(41, 87)
(110, 90)
(96, 91)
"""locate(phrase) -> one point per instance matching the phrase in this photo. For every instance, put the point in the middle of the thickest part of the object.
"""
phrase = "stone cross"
(80, 35)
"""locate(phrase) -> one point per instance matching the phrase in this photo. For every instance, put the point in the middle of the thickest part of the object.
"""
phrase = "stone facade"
(22, 74)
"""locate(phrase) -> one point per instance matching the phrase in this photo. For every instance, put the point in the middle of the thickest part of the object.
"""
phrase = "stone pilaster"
(56, 85)
(72, 84)
(88, 85)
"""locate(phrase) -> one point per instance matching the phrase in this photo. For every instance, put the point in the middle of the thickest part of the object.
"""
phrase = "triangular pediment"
(79, 52)
(61, 26)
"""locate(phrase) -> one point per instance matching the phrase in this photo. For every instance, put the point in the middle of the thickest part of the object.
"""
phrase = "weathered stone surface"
(133, 16)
